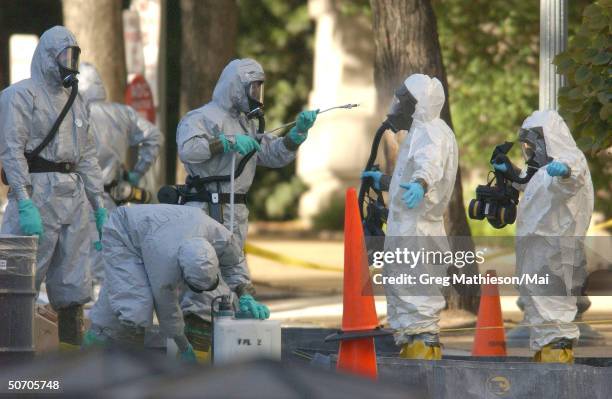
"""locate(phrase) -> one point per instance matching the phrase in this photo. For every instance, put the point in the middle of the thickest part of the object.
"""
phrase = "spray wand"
(286, 125)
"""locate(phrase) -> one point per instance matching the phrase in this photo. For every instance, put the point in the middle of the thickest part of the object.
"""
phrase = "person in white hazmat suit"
(51, 182)
(116, 128)
(419, 192)
(151, 251)
(208, 138)
(552, 219)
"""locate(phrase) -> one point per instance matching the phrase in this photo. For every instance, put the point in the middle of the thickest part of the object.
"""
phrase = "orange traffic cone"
(490, 338)
(356, 355)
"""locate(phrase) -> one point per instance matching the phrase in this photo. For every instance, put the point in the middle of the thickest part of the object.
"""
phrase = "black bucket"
(17, 297)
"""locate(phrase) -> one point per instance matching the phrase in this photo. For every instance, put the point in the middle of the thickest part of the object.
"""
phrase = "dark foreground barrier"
(17, 294)
(464, 376)
(125, 373)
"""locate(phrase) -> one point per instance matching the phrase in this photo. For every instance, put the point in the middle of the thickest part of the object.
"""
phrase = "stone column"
(339, 143)
(553, 40)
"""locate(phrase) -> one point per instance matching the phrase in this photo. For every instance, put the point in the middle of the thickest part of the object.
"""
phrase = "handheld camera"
(497, 200)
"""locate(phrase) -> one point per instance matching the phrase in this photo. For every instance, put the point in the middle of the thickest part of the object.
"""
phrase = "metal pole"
(553, 40)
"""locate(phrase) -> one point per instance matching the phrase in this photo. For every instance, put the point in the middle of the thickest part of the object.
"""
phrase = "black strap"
(108, 187)
(215, 198)
(41, 165)
(32, 156)
(54, 129)
(241, 164)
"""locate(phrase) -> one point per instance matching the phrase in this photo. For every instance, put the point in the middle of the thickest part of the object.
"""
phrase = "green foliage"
(331, 216)
(491, 53)
(276, 199)
(586, 102)
(350, 8)
(482, 228)
(279, 35)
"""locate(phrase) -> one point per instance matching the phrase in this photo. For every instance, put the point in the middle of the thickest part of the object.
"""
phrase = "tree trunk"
(209, 31)
(98, 27)
(406, 38)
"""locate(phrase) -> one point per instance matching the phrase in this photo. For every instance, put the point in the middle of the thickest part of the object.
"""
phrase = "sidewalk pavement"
(313, 298)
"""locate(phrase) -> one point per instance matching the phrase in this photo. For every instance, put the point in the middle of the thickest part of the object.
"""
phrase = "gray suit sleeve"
(196, 142)
(274, 152)
(89, 170)
(147, 137)
(232, 262)
(16, 108)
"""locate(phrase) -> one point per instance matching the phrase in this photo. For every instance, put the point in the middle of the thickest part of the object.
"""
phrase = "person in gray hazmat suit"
(151, 252)
(208, 138)
(48, 154)
(552, 220)
(116, 128)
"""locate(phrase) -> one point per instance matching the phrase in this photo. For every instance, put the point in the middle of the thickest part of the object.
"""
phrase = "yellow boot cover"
(199, 334)
(203, 357)
(67, 347)
(550, 354)
(419, 349)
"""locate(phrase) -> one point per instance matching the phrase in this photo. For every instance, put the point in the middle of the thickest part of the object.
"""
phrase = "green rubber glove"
(248, 304)
(90, 339)
(188, 355)
(227, 146)
(29, 218)
(100, 215)
(245, 144)
(133, 178)
(304, 122)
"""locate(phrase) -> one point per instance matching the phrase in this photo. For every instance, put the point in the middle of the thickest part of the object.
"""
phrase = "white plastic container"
(237, 340)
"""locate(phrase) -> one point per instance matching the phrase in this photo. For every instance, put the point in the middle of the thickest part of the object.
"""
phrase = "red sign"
(138, 95)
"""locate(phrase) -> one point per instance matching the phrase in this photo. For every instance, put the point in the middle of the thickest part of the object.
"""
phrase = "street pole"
(553, 40)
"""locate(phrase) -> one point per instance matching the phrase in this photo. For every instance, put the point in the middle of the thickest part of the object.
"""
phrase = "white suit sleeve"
(89, 170)
(429, 164)
(147, 137)
(16, 108)
(568, 186)
(274, 152)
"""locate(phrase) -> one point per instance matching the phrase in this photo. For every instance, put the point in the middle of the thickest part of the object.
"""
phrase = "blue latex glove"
(248, 304)
(303, 123)
(100, 215)
(413, 195)
(29, 218)
(133, 178)
(189, 355)
(556, 168)
(375, 175)
(500, 166)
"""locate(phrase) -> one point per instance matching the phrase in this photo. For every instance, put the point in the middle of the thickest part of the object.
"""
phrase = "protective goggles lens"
(401, 110)
(532, 142)
(255, 91)
(69, 58)
(528, 151)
